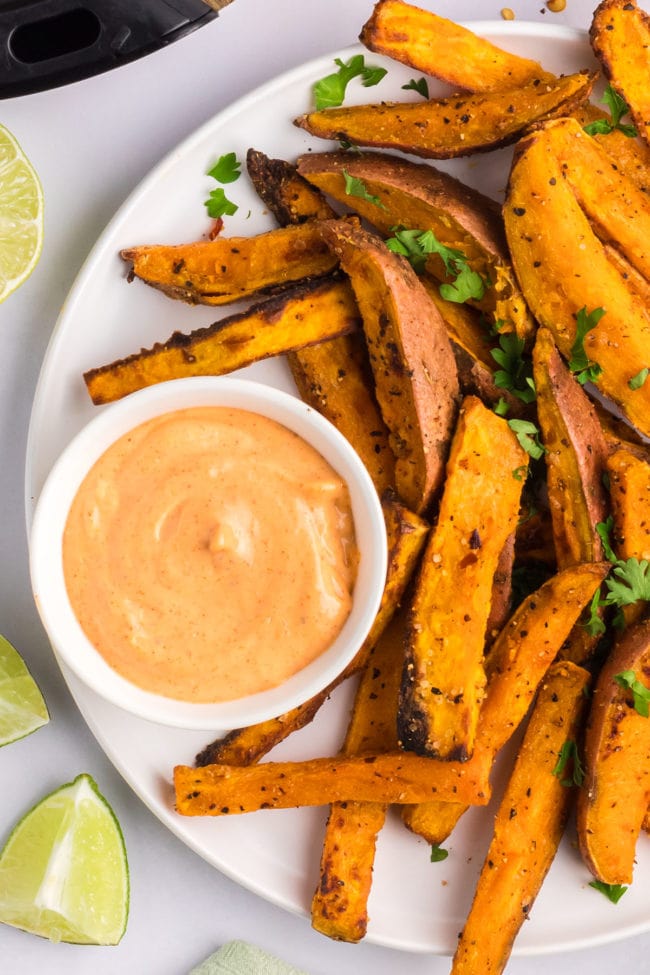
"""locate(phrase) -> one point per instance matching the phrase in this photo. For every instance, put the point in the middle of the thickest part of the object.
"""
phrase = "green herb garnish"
(580, 364)
(640, 693)
(225, 170)
(516, 372)
(417, 245)
(636, 382)
(528, 436)
(618, 107)
(613, 892)
(421, 86)
(438, 854)
(569, 754)
(329, 92)
(356, 187)
(604, 530)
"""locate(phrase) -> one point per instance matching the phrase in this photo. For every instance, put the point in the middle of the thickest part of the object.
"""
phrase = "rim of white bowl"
(68, 640)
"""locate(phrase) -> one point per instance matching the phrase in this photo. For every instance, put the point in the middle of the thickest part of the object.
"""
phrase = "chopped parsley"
(613, 892)
(421, 86)
(417, 245)
(628, 582)
(640, 693)
(329, 92)
(356, 187)
(580, 364)
(438, 854)
(516, 372)
(528, 436)
(502, 408)
(618, 107)
(227, 169)
(636, 382)
(568, 755)
(604, 530)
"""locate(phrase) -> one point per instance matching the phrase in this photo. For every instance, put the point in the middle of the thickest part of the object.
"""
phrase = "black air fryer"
(47, 43)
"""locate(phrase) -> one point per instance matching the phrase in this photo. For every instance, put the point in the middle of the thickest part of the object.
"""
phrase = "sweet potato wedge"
(459, 125)
(339, 907)
(406, 533)
(613, 801)
(411, 359)
(516, 664)
(420, 197)
(289, 197)
(575, 456)
(629, 491)
(443, 683)
(223, 270)
(620, 37)
(528, 827)
(444, 49)
(310, 312)
(391, 777)
(336, 379)
(559, 171)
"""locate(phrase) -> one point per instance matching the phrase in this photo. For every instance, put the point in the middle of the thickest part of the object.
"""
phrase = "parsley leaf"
(632, 582)
(218, 204)
(640, 693)
(568, 754)
(330, 91)
(528, 436)
(438, 854)
(416, 245)
(604, 530)
(421, 86)
(356, 187)
(516, 373)
(227, 169)
(502, 408)
(585, 370)
(618, 107)
(594, 624)
(636, 382)
(613, 892)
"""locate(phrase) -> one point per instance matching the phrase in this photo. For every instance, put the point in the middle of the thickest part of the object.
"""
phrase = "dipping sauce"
(210, 554)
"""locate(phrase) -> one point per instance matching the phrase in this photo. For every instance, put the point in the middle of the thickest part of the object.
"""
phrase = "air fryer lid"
(47, 43)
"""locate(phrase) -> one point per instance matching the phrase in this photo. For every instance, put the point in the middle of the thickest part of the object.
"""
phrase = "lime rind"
(21, 215)
(64, 870)
(22, 706)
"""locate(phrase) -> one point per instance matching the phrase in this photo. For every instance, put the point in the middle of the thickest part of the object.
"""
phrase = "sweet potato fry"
(620, 37)
(339, 907)
(575, 456)
(289, 197)
(411, 358)
(444, 679)
(406, 534)
(528, 827)
(613, 801)
(516, 664)
(549, 207)
(336, 379)
(459, 125)
(419, 197)
(310, 312)
(629, 491)
(391, 777)
(223, 270)
(444, 49)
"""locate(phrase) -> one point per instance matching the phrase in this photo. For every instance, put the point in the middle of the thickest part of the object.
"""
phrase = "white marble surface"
(92, 142)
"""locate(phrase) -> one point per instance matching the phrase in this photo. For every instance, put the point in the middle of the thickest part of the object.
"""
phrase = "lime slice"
(21, 215)
(63, 870)
(22, 708)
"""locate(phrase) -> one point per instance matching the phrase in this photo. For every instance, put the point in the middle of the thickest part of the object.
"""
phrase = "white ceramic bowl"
(68, 639)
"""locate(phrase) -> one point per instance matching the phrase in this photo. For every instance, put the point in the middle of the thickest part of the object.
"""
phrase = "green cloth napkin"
(240, 958)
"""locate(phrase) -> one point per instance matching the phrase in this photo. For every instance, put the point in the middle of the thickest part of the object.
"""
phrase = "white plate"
(414, 905)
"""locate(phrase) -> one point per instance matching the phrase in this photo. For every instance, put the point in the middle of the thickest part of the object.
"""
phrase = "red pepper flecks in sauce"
(210, 554)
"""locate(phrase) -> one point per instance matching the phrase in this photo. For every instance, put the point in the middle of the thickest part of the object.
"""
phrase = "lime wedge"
(22, 708)
(21, 215)
(63, 870)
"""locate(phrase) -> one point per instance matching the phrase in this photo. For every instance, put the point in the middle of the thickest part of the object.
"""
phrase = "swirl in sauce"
(210, 554)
